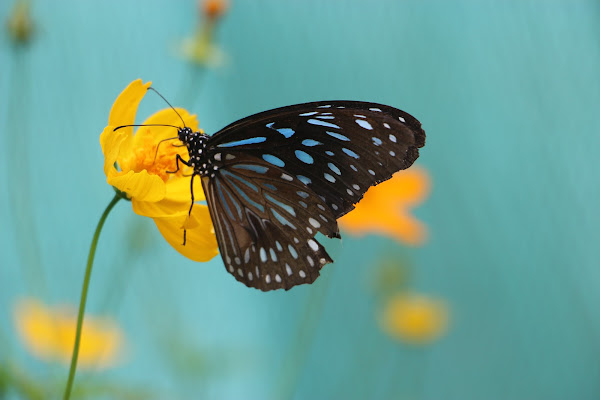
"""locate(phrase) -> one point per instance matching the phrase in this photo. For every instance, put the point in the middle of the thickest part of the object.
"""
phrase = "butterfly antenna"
(126, 126)
(162, 97)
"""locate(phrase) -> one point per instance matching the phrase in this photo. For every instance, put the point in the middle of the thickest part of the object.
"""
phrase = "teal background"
(508, 93)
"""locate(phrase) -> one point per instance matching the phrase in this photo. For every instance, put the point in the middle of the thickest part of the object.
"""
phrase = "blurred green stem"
(84, 290)
(295, 360)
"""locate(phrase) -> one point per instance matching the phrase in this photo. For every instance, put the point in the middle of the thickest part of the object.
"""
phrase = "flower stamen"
(157, 160)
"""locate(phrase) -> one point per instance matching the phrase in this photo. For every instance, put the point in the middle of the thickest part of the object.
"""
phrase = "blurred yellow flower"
(414, 318)
(385, 208)
(133, 166)
(49, 334)
(20, 25)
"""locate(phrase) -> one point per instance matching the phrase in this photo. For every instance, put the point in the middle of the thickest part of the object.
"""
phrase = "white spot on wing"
(364, 124)
(313, 245)
(263, 255)
(302, 274)
(329, 177)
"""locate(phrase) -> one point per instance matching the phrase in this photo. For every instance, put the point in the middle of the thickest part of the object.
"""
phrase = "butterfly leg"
(177, 160)
(191, 205)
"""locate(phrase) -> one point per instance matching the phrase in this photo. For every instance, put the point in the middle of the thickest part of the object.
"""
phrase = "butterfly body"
(273, 180)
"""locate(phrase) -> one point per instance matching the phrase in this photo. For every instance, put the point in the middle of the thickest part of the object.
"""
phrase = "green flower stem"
(295, 361)
(84, 290)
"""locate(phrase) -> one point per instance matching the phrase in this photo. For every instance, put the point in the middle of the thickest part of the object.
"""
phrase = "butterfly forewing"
(265, 220)
(338, 149)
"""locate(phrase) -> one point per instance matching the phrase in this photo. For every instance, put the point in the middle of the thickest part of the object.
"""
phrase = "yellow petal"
(176, 202)
(201, 244)
(168, 117)
(111, 141)
(125, 107)
(139, 185)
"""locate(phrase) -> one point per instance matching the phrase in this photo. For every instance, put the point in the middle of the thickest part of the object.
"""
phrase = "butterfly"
(275, 179)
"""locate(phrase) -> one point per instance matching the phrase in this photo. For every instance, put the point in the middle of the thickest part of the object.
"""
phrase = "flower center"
(145, 156)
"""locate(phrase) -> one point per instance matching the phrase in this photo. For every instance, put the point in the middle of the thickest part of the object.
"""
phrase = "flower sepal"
(122, 194)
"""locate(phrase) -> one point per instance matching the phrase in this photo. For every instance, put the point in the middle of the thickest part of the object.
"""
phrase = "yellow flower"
(49, 334)
(414, 318)
(134, 166)
(385, 208)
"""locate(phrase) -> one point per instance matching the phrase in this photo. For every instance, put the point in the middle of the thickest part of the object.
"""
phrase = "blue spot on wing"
(253, 140)
(304, 157)
(245, 196)
(287, 132)
(350, 152)
(286, 207)
(322, 123)
(281, 219)
(273, 160)
(239, 178)
(223, 201)
(304, 179)
(310, 142)
(338, 136)
(251, 167)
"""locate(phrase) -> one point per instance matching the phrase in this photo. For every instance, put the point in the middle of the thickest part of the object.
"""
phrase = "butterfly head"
(185, 134)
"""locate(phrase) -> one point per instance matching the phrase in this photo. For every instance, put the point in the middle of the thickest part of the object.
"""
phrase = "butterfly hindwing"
(265, 222)
(336, 148)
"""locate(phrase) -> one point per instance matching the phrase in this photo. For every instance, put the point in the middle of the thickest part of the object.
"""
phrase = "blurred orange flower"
(414, 318)
(49, 334)
(214, 9)
(385, 208)
(134, 166)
